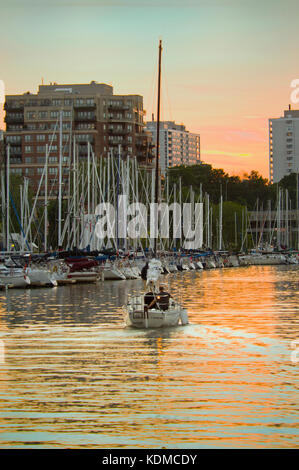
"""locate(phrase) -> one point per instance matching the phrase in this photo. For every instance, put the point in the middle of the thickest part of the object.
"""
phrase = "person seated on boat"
(161, 300)
(149, 297)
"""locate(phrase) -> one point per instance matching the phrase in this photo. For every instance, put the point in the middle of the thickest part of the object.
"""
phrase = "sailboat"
(156, 309)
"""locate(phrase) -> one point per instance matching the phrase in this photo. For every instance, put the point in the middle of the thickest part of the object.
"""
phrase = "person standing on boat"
(144, 273)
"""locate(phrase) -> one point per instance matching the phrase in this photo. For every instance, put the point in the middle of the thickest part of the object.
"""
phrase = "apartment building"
(284, 145)
(177, 145)
(79, 113)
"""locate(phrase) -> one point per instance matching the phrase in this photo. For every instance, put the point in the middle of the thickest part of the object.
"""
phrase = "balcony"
(113, 117)
(45, 102)
(84, 105)
(14, 118)
(15, 151)
(83, 141)
(112, 131)
(15, 160)
(85, 117)
(13, 106)
(118, 107)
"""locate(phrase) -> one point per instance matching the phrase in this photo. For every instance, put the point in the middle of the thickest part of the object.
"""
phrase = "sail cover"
(154, 270)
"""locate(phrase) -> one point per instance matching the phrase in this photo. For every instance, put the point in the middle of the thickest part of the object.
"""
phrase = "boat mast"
(60, 180)
(157, 145)
(7, 198)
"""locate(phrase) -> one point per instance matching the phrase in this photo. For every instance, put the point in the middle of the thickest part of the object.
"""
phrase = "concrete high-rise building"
(284, 145)
(177, 145)
(90, 113)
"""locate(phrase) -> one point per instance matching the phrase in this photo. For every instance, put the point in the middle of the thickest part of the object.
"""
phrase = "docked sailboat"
(13, 277)
(112, 272)
(156, 308)
(40, 277)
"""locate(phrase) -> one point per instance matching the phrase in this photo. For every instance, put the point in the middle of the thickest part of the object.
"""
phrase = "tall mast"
(7, 198)
(157, 145)
(60, 179)
(46, 202)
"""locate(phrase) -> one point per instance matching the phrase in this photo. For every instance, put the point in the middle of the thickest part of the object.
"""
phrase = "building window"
(40, 137)
(14, 139)
(28, 149)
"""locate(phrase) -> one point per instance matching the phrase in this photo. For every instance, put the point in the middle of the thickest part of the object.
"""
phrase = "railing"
(118, 131)
(85, 118)
(115, 106)
(13, 119)
(84, 105)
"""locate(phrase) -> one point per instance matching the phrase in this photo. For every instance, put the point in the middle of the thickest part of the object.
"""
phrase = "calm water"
(73, 376)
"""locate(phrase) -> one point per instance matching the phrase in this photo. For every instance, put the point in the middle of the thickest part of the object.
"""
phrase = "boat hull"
(40, 277)
(83, 276)
(138, 317)
(113, 274)
(15, 281)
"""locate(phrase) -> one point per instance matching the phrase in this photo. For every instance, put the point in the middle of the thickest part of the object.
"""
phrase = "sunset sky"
(227, 64)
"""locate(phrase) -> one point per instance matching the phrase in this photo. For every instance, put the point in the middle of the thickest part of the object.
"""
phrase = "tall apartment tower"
(284, 145)
(177, 145)
(90, 113)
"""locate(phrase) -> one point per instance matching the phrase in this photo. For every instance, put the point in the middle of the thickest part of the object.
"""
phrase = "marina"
(148, 299)
(74, 376)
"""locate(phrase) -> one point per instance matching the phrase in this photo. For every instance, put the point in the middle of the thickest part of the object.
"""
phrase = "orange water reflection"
(75, 377)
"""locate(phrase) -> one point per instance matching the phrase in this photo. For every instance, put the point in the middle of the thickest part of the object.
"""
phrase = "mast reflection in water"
(72, 375)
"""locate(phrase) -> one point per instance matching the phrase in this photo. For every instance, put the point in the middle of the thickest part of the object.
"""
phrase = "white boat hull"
(129, 273)
(113, 274)
(138, 317)
(20, 281)
(84, 276)
(40, 277)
